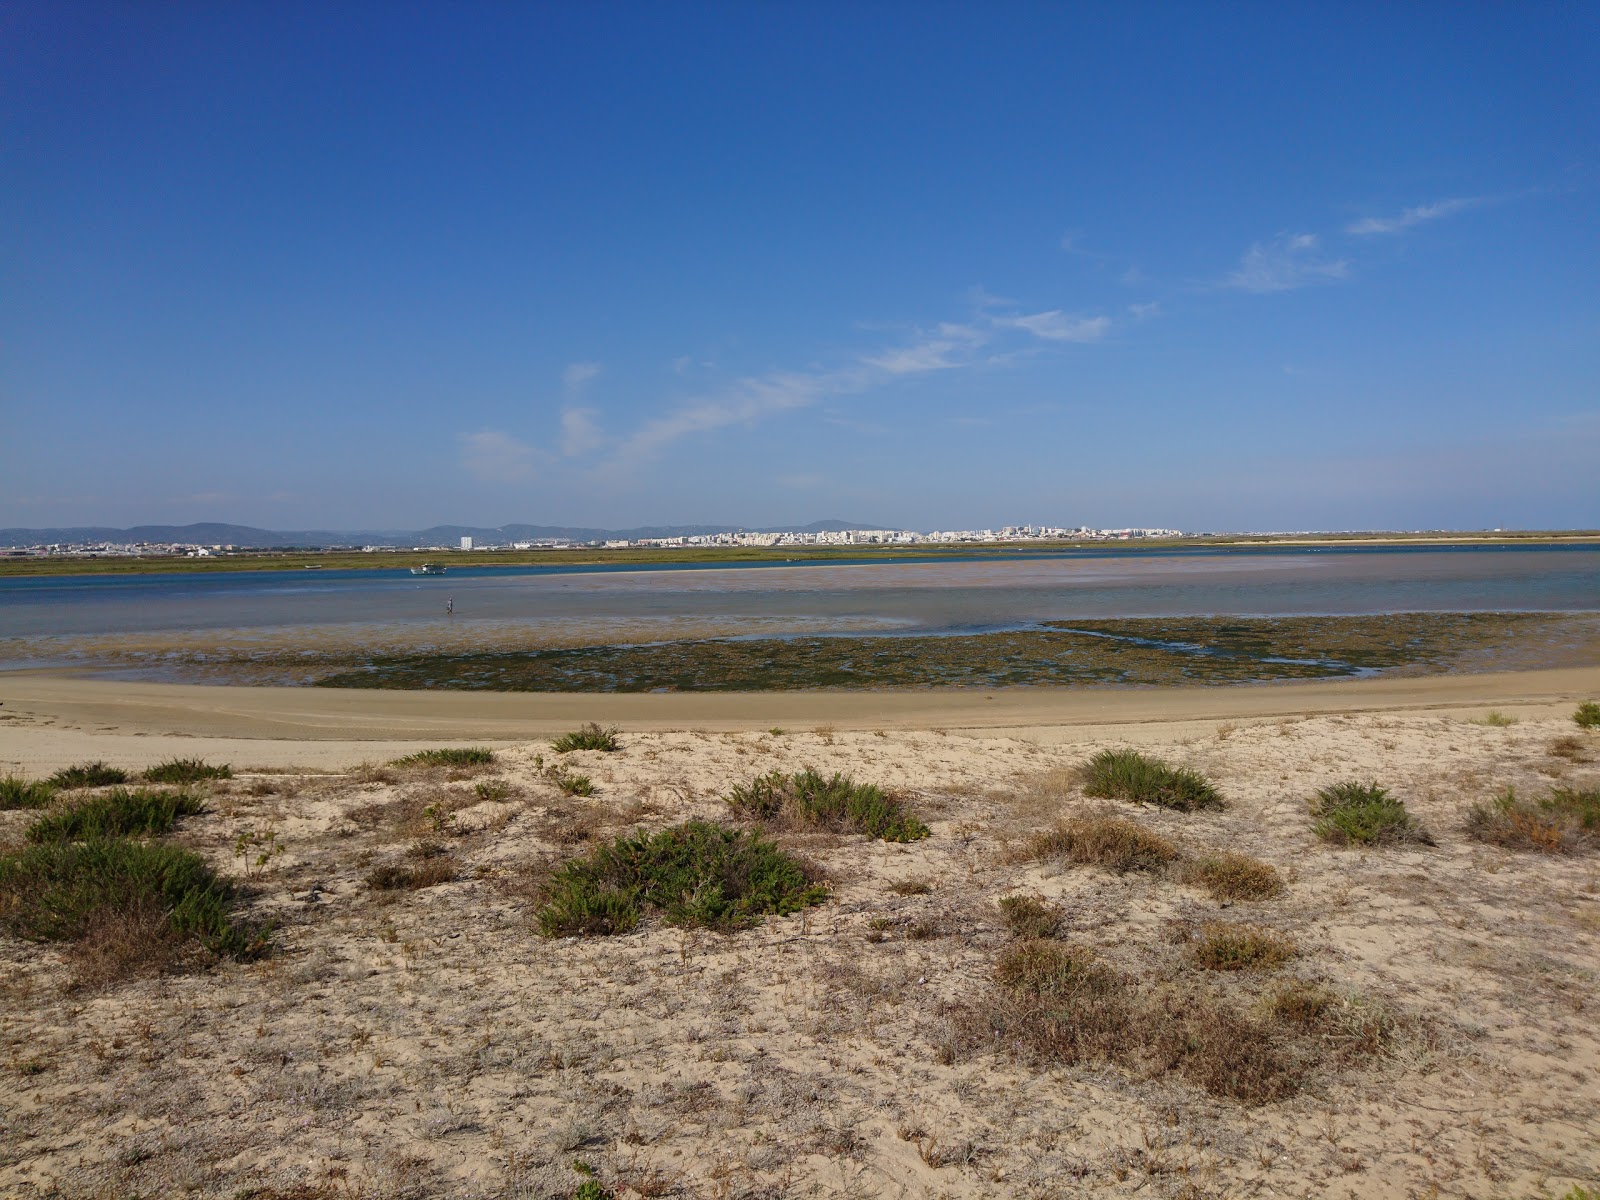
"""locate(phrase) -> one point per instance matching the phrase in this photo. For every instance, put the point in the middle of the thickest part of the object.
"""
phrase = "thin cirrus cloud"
(947, 346)
(1288, 261)
(1419, 215)
(579, 373)
(579, 432)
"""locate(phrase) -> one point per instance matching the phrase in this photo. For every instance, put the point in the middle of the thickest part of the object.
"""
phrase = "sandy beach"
(431, 1043)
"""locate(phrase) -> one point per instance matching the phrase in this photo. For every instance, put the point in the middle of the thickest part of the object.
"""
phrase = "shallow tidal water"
(307, 626)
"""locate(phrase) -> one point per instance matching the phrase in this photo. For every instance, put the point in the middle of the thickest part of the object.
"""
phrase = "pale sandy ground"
(435, 1045)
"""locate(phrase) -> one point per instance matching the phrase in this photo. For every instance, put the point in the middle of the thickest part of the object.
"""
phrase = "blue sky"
(929, 265)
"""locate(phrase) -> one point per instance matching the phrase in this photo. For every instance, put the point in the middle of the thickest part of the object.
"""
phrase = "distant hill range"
(213, 534)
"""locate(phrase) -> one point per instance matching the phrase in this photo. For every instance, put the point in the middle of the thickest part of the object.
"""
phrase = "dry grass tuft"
(1568, 747)
(1225, 947)
(1229, 876)
(911, 887)
(1564, 822)
(431, 870)
(1054, 1001)
(1029, 917)
(1115, 843)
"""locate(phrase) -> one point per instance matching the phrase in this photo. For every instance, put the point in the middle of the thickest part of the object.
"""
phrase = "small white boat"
(428, 569)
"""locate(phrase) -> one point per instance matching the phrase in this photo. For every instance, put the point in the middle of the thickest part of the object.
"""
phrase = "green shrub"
(697, 874)
(86, 775)
(125, 812)
(25, 793)
(1566, 820)
(1129, 775)
(1115, 843)
(464, 756)
(1365, 814)
(1232, 876)
(807, 800)
(1588, 715)
(185, 770)
(588, 737)
(59, 890)
(570, 782)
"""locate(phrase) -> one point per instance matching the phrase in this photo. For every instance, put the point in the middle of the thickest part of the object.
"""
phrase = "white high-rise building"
(466, 543)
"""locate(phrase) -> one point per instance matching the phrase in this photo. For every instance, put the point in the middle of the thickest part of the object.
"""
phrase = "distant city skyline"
(616, 265)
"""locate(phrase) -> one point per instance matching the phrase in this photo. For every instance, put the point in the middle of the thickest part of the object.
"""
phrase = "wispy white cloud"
(1414, 216)
(495, 457)
(1143, 312)
(579, 433)
(579, 373)
(1288, 261)
(948, 346)
(1057, 326)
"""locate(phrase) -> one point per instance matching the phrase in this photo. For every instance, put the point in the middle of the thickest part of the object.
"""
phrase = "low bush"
(1225, 947)
(911, 887)
(1055, 1001)
(462, 756)
(25, 793)
(1129, 775)
(587, 737)
(807, 800)
(185, 770)
(697, 874)
(1349, 1030)
(570, 782)
(1587, 715)
(1364, 814)
(1563, 822)
(63, 891)
(1230, 876)
(125, 812)
(86, 775)
(1115, 843)
(1029, 917)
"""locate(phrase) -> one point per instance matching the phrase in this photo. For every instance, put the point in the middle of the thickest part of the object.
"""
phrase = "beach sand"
(431, 1043)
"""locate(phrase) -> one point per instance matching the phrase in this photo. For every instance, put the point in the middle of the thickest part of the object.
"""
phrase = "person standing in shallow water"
(450, 606)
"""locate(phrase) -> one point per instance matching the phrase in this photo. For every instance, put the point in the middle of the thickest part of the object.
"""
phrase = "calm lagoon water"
(931, 597)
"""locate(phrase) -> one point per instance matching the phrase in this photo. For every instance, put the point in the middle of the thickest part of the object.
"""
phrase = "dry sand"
(430, 1043)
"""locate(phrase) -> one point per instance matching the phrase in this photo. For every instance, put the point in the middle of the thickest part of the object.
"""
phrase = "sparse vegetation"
(1365, 814)
(16, 792)
(1587, 715)
(1568, 747)
(1030, 918)
(589, 737)
(570, 782)
(184, 771)
(696, 874)
(87, 775)
(1129, 775)
(492, 789)
(1056, 1001)
(807, 800)
(1563, 822)
(1224, 947)
(1496, 719)
(125, 812)
(429, 870)
(63, 891)
(911, 887)
(460, 756)
(1115, 843)
(1230, 876)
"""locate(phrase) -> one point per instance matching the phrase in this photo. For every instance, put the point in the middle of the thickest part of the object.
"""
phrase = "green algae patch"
(1149, 652)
